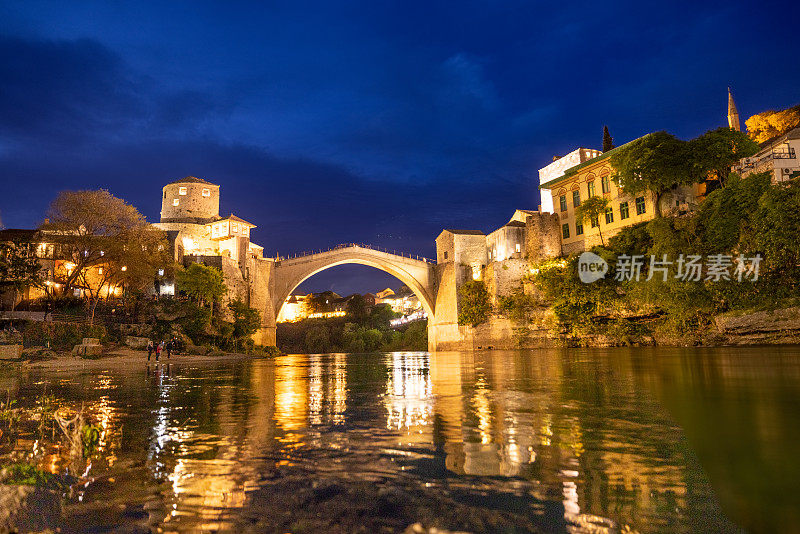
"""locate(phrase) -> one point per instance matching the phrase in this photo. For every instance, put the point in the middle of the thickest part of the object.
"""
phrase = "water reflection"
(640, 440)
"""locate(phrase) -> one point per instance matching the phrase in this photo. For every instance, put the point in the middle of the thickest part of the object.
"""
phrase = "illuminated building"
(574, 184)
(777, 156)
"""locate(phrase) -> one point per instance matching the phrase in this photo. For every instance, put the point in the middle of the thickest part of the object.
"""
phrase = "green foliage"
(317, 339)
(195, 324)
(246, 321)
(773, 231)
(90, 438)
(634, 239)
(475, 307)
(204, 285)
(357, 308)
(361, 339)
(18, 268)
(60, 336)
(592, 209)
(713, 153)
(25, 474)
(657, 162)
(749, 216)
(726, 212)
(517, 306)
(574, 303)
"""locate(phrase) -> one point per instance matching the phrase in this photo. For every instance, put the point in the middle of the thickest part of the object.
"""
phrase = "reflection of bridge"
(273, 285)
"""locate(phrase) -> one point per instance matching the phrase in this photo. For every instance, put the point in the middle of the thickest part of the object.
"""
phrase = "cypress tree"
(608, 141)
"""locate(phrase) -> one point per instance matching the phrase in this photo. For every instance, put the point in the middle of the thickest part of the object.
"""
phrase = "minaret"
(733, 115)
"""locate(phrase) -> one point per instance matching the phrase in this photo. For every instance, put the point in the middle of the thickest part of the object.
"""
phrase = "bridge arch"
(416, 274)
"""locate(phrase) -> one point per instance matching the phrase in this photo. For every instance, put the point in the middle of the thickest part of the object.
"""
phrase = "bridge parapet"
(355, 246)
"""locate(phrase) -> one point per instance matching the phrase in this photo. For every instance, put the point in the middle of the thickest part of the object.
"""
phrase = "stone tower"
(190, 200)
(733, 115)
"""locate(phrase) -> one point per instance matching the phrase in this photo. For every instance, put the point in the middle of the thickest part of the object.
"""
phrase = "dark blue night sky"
(369, 121)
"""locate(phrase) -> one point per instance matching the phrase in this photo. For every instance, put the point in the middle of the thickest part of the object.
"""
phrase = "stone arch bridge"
(273, 281)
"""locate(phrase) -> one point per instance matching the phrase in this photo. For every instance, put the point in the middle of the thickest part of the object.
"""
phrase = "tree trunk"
(92, 309)
(13, 305)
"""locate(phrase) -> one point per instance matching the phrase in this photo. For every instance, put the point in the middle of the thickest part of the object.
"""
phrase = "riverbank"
(540, 329)
(119, 357)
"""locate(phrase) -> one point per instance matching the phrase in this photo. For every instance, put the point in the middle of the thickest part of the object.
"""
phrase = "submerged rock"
(26, 508)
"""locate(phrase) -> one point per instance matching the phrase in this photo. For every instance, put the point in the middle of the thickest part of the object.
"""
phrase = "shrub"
(474, 307)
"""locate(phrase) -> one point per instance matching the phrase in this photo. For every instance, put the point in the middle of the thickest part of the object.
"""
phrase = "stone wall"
(543, 236)
(193, 206)
(502, 278)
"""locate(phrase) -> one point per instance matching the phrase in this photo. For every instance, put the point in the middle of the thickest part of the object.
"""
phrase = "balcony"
(755, 163)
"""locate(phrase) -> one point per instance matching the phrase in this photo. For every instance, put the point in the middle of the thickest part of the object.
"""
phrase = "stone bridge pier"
(272, 282)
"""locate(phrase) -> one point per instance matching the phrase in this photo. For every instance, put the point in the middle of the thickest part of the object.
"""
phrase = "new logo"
(591, 267)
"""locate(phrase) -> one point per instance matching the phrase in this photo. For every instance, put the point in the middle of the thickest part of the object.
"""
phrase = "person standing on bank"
(169, 349)
(149, 349)
(159, 348)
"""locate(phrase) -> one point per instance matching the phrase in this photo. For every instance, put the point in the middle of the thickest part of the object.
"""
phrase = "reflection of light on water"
(315, 390)
(480, 401)
(339, 388)
(408, 392)
(290, 393)
(206, 488)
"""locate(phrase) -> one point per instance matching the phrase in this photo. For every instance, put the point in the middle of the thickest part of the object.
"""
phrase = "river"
(557, 440)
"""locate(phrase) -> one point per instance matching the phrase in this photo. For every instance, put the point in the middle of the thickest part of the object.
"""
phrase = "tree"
(246, 320)
(768, 124)
(608, 141)
(317, 340)
(713, 153)
(202, 284)
(475, 306)
(357, 308)
(591, 209)
(18, 269)
(109, 244)
(658, 162)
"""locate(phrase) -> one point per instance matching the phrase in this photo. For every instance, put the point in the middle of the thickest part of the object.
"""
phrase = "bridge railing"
(359, 245)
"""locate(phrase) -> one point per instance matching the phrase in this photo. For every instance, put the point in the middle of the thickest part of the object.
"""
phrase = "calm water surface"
(647, 440)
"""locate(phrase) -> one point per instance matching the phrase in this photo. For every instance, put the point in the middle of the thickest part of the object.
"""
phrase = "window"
(235, 227)
(517, 247)
(605, 184)
(565, 230)
(609, 215)
(445, 254)
(161, 272)
(640, 206)
(175, 201)
(99, 270)
(206, 192)
(595, 222)
(590, 188)
(563, 201)
(576, 198)
(182, 191)
(623, 210)
(165, 194)
(578, 229)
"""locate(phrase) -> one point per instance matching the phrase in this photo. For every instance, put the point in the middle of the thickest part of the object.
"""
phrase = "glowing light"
(124, 268)
(189, 244)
